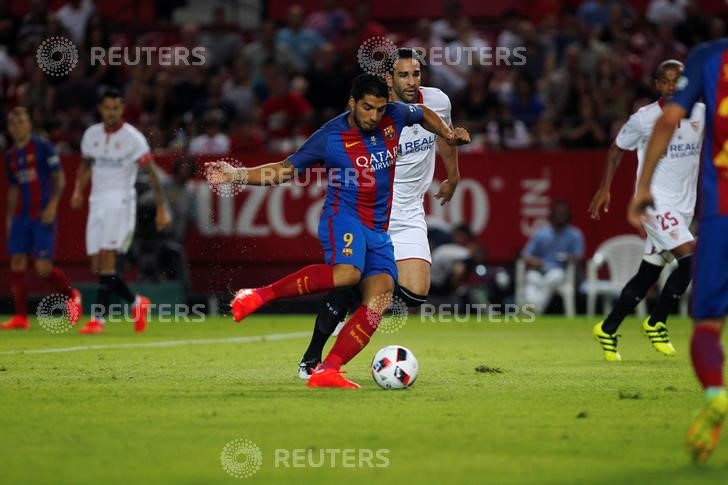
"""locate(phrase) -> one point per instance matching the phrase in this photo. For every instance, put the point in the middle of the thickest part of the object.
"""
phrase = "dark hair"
(368, 84)
(112, 93)
(402, 53)
(668, 65)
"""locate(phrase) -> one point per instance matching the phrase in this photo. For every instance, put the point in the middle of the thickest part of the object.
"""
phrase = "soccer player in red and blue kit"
(359, 150)
(36, 182)
(706, 76)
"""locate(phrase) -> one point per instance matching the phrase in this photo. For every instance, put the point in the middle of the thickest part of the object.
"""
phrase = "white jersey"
(416, 160)
(674, 184)
(116, 157)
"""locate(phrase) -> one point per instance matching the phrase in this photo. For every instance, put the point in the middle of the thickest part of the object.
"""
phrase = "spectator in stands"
(238, 90)
(540, 54)
(468, 49)
(212, 141)
(74, 18)
(302, 41)
(7, 26)
(265, 50)
(180, 195)
(328, 90)
(367, 27)
(446, 28)
(477, 105)
(525, 103)
(594, 13)
(509, 36)
(331, 21)
(507, 132)
(584, 130)
(560, 83)
(220, 42)
(547, 252)
(286, 116)
(453, 263)
(32, 27)
(440, 74)
(666, 12)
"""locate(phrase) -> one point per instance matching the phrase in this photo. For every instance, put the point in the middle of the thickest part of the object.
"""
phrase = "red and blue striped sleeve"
(691, 85)
(48, 156)
(312, 151)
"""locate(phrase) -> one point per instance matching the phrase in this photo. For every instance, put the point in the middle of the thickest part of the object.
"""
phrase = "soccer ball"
(395, 367)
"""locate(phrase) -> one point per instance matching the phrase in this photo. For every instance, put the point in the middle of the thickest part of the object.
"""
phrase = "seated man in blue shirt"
(551, 247)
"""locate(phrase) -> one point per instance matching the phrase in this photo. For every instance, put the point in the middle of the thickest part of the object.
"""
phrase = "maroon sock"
(58, 280)
(311, 279)
(353, 337)
(17, 289)
(707, 355)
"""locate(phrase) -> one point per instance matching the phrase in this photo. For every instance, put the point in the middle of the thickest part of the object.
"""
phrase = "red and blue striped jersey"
(706, 76)
(360, 164)
(29, 168)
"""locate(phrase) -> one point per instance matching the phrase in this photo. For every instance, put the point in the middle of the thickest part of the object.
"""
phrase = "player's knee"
(43, 268)
(346, 275)
(18, 262)
(409, 297)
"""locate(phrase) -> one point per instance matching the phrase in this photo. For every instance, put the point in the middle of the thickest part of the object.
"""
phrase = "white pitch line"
(169, 343)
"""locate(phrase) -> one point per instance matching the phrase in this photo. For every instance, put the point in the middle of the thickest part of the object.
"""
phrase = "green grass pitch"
(162, 414)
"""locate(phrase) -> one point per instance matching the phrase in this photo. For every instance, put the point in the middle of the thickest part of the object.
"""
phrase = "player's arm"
(221, 172)
(603, 196)
(163, 219)
(431, 121)
(58, 183)
(83, 175)
(449, 155)
(660, 139)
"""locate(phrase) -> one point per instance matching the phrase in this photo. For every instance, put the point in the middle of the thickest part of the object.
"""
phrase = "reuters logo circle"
(394, 320)
(376, 55)
(54, 314)
(57, 56)
(241, 458)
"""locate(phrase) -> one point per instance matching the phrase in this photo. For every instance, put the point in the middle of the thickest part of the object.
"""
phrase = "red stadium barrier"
(264, 232)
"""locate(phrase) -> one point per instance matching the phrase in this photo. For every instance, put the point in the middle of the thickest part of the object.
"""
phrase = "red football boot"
(18, 322)
(139, 313)
(330, 378)
(246, 301)
(74, 307)
(92, 326)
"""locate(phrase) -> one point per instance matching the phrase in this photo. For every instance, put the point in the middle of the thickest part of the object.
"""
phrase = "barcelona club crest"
(389, 132)
(347, 252)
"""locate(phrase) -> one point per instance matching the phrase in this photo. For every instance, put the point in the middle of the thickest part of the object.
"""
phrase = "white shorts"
(408, 231)
(110, 225)
(666, 229)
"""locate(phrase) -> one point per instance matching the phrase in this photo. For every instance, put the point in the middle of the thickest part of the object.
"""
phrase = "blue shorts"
(31, 236)
(710, 269)
(345, 240)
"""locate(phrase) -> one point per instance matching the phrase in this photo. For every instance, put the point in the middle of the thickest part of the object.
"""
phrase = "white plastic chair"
(685, 300)
(622, 255)
(567, 290)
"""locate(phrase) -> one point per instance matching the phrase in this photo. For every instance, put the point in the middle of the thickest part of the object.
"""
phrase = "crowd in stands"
(586, 70)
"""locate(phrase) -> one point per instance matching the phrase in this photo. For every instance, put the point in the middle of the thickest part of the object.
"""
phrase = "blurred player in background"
(35, 185)
(407, 227)
(112, 152)
(706, 76)
(359, 149)
(667, 224)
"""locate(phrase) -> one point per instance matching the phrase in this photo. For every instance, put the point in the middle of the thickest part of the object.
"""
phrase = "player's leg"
(671, 232)
(20, 244)
(333, 310)
(377, 287)
(44, 245)
(709, 307)
(605, 332)
(412, 254)
(345, 248)
(18, 267)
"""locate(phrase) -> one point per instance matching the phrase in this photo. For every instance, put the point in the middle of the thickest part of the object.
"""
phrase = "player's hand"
(446, 190)
(163, 218)
(600, 201)
(49, 214)
(76, 200)
(458, 136)
(637, 208)
(219, 172)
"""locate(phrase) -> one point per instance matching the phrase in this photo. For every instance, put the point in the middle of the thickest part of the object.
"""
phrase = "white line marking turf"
(169, 343)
